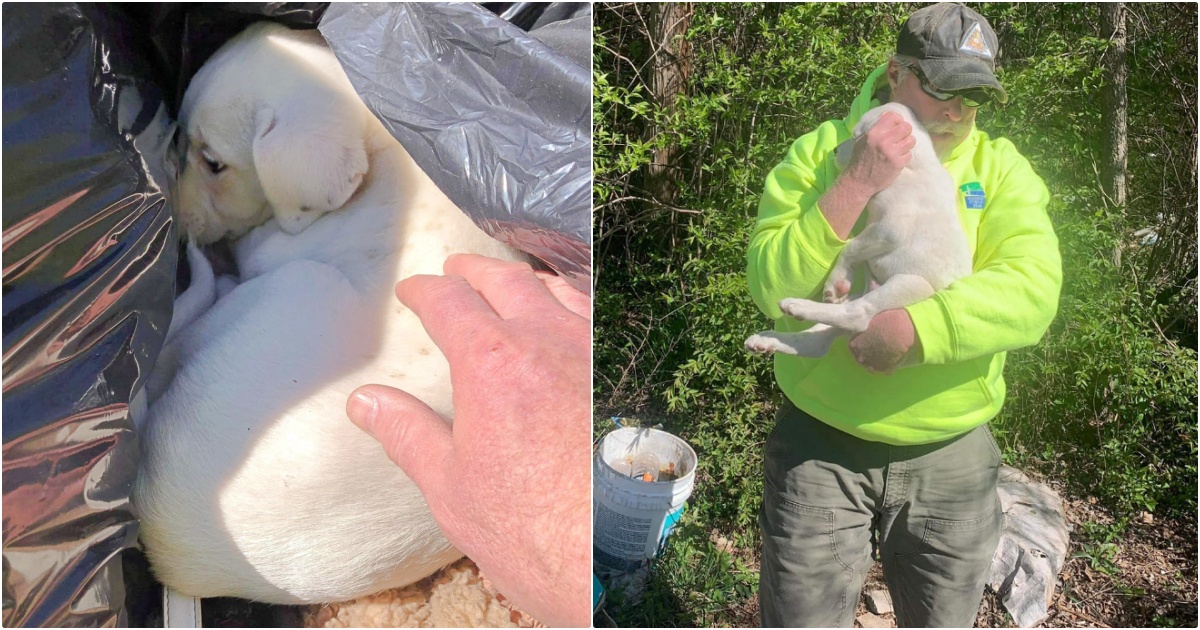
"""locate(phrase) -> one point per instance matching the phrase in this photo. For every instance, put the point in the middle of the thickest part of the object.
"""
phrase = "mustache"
(939, 127)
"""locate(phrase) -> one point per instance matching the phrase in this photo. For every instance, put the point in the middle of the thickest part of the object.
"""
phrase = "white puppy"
(254, 483)
(913, 246)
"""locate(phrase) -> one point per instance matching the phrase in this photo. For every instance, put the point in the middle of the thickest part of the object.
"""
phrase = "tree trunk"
(672, 65)
(1115, 104)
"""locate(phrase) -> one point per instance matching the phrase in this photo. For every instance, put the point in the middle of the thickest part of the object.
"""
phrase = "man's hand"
(881, 154)
(510, 483)
(875, 162)
(888, 339)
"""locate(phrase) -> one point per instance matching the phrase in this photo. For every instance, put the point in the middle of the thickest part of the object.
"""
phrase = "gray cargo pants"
(931, 511)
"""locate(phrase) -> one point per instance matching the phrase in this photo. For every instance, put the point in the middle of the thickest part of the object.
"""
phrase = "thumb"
(412, 434)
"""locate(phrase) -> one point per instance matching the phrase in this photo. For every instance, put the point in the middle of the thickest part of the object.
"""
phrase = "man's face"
(948, 122)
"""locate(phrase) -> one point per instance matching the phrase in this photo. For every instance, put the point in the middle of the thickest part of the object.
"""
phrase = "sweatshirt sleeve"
(792, 247)
(1012, 296)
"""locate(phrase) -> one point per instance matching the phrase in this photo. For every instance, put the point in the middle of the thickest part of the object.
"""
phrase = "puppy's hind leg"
(814, 342)
(899, 291)
(863, 247)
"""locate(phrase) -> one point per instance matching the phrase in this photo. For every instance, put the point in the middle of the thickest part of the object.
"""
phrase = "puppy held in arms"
(254, 484)
(913, 246)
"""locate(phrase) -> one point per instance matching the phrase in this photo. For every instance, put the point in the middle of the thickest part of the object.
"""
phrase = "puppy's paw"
(798, 308)
(762, 343)
(837, 290)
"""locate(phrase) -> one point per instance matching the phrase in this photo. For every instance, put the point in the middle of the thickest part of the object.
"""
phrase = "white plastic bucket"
(633, 511)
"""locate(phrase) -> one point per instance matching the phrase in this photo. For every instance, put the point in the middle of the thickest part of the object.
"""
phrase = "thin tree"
(1115, 103)
(672, 64)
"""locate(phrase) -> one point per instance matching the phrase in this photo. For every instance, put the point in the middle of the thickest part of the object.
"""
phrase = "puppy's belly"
(939, 253)
(254, 482)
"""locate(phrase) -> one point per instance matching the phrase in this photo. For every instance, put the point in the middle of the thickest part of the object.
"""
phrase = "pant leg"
(937, 547)
(816, 520)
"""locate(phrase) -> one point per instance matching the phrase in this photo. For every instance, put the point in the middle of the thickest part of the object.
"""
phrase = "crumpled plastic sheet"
(90, 261)
(89, 264)
(1033, 547)
(499, 119)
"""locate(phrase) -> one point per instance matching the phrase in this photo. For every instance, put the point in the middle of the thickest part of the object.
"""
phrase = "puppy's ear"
(307, 165)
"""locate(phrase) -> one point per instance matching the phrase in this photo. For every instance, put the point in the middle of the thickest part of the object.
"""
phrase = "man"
(884, 441)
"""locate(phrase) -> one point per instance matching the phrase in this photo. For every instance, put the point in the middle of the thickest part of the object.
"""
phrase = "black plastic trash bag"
(89, 268)
(90, 251)
(499, 119)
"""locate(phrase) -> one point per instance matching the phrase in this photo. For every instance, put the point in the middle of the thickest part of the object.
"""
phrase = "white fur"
(254, 483)
(913, 246)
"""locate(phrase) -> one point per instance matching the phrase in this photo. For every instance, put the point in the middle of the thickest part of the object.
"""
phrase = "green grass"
(693, 584)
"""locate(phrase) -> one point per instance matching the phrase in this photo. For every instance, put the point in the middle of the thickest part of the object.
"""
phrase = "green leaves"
(1104, 402)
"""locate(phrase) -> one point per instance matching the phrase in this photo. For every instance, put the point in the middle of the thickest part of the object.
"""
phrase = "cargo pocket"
(800, 533)
(940, 583)
(960, 547)
(805, 579)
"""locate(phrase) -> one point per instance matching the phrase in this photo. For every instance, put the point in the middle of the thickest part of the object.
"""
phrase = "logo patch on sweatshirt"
(976, 199)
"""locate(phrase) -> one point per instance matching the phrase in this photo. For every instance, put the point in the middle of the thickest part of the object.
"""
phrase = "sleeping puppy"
(913, 246)
(254, 484)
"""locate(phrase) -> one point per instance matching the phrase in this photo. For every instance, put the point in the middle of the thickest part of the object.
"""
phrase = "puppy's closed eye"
(214, 166)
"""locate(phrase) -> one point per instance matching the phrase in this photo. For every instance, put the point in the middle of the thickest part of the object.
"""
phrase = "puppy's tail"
(200, 294)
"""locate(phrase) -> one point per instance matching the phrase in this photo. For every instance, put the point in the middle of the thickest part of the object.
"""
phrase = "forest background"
(694, 104)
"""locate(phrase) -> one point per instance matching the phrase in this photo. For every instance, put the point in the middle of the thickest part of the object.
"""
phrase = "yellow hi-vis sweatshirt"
(964, 330)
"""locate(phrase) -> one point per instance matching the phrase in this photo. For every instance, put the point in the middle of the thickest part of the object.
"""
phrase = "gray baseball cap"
(955, 48)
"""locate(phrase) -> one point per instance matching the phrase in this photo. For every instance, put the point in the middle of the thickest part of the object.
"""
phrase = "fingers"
(891, 128)
(892, 136)
(412, 435)
(577, 301)
(904, 156)
(899, 150)
(873, 353)
(891, 123)
(480, 291)
(900, 136)
(449, 309)
(889, 119)
(863, 357)
(511, 288)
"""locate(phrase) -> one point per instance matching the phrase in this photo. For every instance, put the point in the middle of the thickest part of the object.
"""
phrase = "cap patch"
(974, 44)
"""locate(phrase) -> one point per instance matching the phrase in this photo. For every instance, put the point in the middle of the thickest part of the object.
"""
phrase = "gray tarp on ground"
(1032, 548)
(90, 257)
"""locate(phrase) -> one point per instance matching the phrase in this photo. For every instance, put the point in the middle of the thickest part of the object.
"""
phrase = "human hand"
(888, 339)
(880, 154)
(510, 483)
